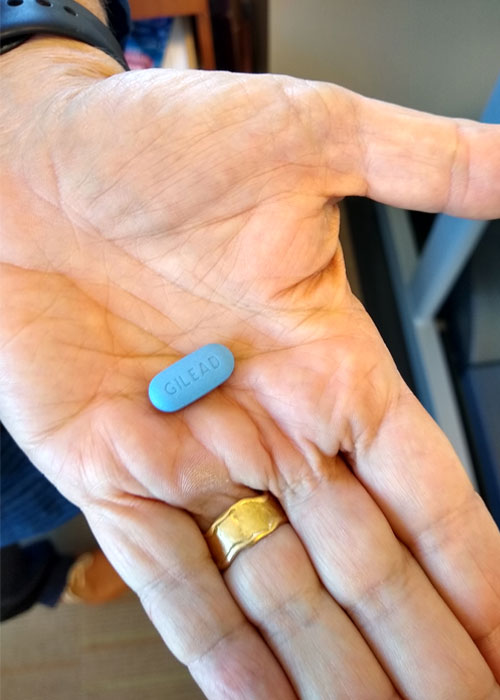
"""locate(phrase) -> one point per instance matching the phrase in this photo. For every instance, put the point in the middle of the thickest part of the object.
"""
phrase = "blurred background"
(431, 283)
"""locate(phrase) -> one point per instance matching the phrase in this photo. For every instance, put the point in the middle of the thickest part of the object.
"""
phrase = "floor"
(106, 652)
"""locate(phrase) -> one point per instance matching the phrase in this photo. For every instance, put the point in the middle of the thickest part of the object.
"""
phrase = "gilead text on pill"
(191, 377)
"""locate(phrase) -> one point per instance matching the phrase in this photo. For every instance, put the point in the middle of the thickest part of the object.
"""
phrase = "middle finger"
(320, 649)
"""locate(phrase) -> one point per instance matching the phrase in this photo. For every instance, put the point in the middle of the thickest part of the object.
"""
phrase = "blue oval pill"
(190, 378)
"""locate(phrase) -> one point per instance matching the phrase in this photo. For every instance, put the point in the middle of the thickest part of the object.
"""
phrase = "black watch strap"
(22, 19)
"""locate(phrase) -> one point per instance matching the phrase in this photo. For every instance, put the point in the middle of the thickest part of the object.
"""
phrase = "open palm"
(179, 210)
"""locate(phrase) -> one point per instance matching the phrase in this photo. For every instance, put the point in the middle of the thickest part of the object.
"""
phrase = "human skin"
(146, 214)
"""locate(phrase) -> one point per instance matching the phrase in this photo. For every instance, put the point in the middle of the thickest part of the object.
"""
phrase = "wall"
(441, 56)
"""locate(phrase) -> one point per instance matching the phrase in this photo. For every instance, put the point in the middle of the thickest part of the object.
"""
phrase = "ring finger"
(163, 556)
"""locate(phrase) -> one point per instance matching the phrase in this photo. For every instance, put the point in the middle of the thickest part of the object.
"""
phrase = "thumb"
(414, 160)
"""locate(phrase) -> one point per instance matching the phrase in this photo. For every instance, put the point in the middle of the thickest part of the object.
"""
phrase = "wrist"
(46, 66)
(39, 79)
(53, 55)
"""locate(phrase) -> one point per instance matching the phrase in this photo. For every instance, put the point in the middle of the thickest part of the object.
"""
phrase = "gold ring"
(242, 525)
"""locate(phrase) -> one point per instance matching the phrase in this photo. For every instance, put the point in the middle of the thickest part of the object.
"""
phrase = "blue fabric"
(148, 39)
(29, 575)
(30, 504)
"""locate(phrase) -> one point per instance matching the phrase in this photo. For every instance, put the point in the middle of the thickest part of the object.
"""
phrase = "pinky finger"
(161, 554)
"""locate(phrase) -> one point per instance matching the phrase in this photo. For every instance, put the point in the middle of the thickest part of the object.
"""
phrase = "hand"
(162, 211)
